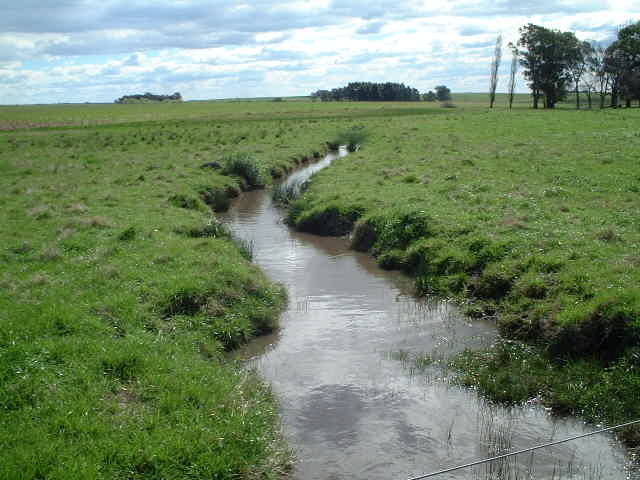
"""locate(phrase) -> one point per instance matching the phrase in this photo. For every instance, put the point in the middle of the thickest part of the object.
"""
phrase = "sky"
(96, 51)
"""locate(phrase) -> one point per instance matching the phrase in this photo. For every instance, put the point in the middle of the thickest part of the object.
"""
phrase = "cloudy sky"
(98, 50)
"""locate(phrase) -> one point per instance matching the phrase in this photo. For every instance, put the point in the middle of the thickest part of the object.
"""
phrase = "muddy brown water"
(353, 403)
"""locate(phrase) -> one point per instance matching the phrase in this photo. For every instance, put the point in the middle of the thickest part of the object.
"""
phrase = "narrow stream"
(353, 403)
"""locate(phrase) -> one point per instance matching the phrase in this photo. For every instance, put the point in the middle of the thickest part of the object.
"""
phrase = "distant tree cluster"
(429, 96)
(556, 62)
(369, 92)
(149, 97)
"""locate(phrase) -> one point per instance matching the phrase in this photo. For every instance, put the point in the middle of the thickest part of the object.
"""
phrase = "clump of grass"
(21, 248)
(51, 254)
(213, 228)
(40, 279)
(607, 235)
(97, 222)
(514, 372)
(352, 138)
(185, 201)
(162, 259)
(245, 246)
(77, 208)
(333, 220)
(247, 167)
(412, 178)
(127, 234)
(40, 212)
(218, 199)
(285, 193)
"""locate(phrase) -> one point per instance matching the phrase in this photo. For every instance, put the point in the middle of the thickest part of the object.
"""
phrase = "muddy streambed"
(353, 403)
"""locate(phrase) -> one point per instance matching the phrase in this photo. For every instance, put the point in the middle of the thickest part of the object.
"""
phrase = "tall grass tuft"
(244, 165)
(353, 138)
(245, 246)
(285, 193)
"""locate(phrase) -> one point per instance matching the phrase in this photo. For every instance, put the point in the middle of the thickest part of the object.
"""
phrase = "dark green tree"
(596, 68)
(625, 62)
(615, 66)
(443, 94)
(577, 61)
(545, 56)
(369, 91)
(430, 96)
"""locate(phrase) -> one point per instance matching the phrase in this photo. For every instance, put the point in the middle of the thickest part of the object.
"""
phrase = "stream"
(353, 402)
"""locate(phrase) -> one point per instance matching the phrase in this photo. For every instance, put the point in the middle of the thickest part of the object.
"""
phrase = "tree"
(545, 57)
(443, 94)
(589, 83)
(495, 66)
(614, 66)
(596, 68)
(631, 86)
(371, 92)
(512, 73)
(577, 59)
(628, 61)
(430, 96)
(149, 97)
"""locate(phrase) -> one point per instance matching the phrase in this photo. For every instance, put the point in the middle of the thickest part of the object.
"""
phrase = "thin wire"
(478, 462)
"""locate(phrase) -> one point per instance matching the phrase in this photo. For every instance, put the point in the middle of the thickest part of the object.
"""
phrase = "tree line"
(149, 97)
(556, 63)
(380, 92)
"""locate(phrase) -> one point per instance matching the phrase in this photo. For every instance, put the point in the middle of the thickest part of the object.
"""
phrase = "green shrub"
(365, 235)
(399, 229)
(185, 201)
(127, 234)
(218, 199)
(213, 229)
(245, 166)
(494, 283)
(392, 260)
(604, 326)
(352, 138)
(531, 285)
(513, 372)
(329, 220)
(285, 193)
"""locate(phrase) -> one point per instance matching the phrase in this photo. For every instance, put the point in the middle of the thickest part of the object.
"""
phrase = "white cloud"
(78, 50)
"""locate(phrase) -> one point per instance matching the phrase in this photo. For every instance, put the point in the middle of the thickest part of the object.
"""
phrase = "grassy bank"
(532, 215)
(120, 292)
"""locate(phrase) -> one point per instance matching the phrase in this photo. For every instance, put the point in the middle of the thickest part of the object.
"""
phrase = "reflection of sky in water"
(353, 403)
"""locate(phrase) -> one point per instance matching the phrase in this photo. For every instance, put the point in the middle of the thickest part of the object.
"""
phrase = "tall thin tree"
(495, 66)
(578, 58)
(512, 73)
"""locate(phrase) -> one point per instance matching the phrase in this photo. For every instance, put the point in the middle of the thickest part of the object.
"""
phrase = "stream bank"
(353, 402)
(541, 238)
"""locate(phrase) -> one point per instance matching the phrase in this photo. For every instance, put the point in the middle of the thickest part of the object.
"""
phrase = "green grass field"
(120, 292)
